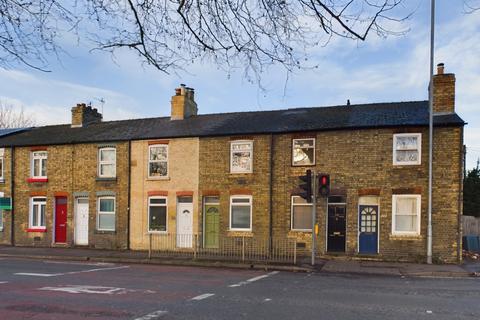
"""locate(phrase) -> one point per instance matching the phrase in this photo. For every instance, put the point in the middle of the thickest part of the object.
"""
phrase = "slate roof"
(6, 132)
(377, 115)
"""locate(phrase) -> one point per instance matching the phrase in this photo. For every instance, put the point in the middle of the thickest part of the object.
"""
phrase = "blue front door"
(368, 229)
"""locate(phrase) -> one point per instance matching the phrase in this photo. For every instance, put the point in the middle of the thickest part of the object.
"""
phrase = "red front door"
(61, 219)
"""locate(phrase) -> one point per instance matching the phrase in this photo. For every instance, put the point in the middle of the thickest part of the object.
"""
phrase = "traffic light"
(306, 186)
(324, 184)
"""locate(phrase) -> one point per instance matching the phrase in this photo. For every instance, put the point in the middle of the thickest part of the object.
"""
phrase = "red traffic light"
(324, 185)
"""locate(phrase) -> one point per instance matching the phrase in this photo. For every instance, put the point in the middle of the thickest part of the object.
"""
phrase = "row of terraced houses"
(112, 184)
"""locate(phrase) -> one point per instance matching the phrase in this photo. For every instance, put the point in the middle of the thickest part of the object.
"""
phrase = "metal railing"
(232, 248)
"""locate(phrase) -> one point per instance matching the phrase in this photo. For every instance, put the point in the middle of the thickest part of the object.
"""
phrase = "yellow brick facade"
(71, 172)
(182, 179)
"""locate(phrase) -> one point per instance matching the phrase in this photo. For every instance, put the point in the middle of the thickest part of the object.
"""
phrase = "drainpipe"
(270, 190)
(460, 197)
(128, 190)
(12, 190)
(430, 134)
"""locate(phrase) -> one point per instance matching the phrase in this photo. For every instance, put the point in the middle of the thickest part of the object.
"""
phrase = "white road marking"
(203, 296)
(267, 299)
(429, 311)
(88, 289)
(65, 273)
(153, 315)
(97, 264)
(94, 270)
(242, 283)
(37, 274)
(3, 282)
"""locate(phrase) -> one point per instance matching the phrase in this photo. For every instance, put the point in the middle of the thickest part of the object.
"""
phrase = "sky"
(377, 70)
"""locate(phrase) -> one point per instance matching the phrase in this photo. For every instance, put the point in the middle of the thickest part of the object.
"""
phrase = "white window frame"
(107, 162)
(106, 212)
(419, 149)
(292, 205)
(150, 161)
(249, 204)
(157, 205)
(39, 217)
(40, 162)
(418, 213)
(1, 219)
(314, 155)
(232, 143)
(1, 168)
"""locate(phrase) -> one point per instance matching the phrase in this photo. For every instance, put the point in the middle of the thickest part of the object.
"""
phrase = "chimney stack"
(443, 91)
(183, 103)
(83, 115)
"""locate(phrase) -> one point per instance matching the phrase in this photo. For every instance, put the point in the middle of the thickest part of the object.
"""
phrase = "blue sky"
(378, 70)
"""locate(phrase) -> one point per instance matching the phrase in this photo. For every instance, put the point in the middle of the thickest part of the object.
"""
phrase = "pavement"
(332, 266)
(37, 289)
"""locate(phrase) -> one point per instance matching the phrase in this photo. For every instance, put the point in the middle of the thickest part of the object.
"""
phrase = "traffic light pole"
(314, 216)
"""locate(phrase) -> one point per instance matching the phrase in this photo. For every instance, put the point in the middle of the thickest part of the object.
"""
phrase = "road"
(38, 290)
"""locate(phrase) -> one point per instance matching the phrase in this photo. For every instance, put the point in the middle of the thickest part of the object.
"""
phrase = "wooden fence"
(471, 226)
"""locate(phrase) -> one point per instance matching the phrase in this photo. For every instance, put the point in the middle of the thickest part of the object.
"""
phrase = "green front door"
(212, 225)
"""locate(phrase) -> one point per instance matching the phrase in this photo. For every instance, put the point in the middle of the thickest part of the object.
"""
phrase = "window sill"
(158, 178)
(36, 180)
(400, 165)
(240, 233)
(1, 229)
(37, 230)
(106, 179)
(240, 173)
(2, 181)
(303, 165)
(297, 231)
(157, 232)
(109, 232)
(406, 237)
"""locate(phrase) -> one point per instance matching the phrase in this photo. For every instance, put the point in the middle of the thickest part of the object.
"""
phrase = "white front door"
(81, 222)
(184, 222)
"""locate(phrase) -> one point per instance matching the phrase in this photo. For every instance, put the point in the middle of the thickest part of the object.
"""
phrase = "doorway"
(336, 224)
(184, 222)
(60, 219)
(81, 222)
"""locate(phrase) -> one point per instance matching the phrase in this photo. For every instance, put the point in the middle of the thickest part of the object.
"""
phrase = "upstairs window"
(241, 155)
(407, 148)
(2, 151)
(39, 164)
(106, 214)
(37, 212)
(406, 214)
(303, 152)
(158, 161)
(107, 162)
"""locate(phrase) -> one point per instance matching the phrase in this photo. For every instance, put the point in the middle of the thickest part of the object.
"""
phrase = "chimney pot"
(440, 68)
(83, 115)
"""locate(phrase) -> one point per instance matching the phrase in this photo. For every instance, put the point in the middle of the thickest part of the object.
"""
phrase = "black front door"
(336, 228)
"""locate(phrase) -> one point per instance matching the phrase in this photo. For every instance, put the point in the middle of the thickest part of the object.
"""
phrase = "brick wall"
(5, 188)
(356, 160)
(71, 170)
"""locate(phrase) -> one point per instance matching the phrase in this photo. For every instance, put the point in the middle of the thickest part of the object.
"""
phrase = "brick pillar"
(183, 103)
(443, 91)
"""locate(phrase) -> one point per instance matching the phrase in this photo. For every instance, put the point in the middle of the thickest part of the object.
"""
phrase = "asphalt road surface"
(38, 290)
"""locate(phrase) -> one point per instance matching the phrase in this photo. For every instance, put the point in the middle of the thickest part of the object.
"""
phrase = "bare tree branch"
(171, 34)
(11, 117)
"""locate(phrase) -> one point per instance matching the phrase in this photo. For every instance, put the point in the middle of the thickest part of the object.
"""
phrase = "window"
(303, 152)
(241, 154)
(407, 148)
(406, 214)
(37, 212)
(158, 160)
(107, 162)
(241, 213)
(39, 164)
(301, 214)
(106, 214)
(2, 152)
(157, 214)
